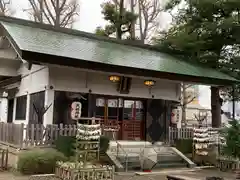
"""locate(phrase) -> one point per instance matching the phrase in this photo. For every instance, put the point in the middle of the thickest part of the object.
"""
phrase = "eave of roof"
(10, 80)
(40, 43)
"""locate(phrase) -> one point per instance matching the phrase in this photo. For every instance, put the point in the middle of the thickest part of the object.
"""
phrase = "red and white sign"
(76, 110)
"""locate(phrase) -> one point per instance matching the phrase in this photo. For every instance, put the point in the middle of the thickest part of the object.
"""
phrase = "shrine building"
(45, 69)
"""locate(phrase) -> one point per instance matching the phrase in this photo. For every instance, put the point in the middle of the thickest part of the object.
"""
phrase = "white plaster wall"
(8, 67)
(40, 78)
(3, 109)
(75, 80)
(34, 80)
(8, 62)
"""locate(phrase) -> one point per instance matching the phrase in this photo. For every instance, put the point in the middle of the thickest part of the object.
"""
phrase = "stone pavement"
(199, 174)
(11, 176)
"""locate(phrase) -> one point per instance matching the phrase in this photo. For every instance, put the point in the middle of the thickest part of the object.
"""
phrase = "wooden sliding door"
(128, 114)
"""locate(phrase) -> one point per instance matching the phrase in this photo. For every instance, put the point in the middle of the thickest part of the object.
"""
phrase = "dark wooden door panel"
(10, 110)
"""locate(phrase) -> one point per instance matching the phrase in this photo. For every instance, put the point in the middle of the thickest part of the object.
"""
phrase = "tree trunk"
(184, 104)
(119, 23)
(132, 31)
(41, 11)
(184, 123)
(215, 107)
(58, 14)
(140, 21)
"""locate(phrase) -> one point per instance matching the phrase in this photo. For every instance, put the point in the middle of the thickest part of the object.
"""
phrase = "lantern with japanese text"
(76, 110)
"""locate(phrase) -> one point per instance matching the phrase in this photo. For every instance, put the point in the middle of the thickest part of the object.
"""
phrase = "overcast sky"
(91, 17)
(90, 14)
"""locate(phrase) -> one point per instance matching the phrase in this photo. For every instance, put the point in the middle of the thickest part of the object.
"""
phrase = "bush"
(232, 137)
(39, 161)
(104, 144)
(184, 145)
(66, 145)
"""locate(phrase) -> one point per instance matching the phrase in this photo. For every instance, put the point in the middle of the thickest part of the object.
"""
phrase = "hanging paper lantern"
(76, 110)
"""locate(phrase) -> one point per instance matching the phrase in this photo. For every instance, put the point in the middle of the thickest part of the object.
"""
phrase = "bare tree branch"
(5, 8)
(186, 99)
(59, 13)
(48, 13)
(186, 86)
(200, 117)
(189, 100)
(71, 12)
(37, 15)
(149, 13)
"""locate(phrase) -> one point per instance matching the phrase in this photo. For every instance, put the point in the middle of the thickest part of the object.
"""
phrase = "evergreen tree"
(120, 20)
(232, 136)
(206, 31)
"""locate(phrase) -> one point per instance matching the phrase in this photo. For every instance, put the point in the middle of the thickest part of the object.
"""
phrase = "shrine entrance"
(126, 113)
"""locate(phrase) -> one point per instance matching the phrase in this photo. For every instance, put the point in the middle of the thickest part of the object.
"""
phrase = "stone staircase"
(125, 155)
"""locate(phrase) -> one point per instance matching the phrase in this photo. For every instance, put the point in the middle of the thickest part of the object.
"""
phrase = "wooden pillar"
(168, 113)
(91, 104)
(233, 101)
(155, 125)
(49, 102)
(215, 107)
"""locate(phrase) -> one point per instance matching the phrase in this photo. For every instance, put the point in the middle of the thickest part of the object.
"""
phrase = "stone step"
(165, 160)
(138, 154)
(169, 152)
(133, 143)
(167, 156)
(139, 149)
(161, 157)
(134, 165)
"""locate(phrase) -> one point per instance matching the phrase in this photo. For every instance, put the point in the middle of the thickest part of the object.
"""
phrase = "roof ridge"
(76, 32)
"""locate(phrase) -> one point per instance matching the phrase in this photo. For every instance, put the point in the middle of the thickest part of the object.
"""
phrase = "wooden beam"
(40, 58)
(29, 65)
(9, 81)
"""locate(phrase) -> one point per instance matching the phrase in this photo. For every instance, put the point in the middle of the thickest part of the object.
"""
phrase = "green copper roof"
(36, 39)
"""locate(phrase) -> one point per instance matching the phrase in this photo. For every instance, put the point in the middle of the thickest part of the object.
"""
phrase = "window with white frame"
(21, 106)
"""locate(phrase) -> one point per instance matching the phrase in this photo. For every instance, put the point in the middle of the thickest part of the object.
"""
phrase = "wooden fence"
(32, 135)
(3, 159)
(179, 133)
(11, 134)
(24, 136)
(183, 133)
